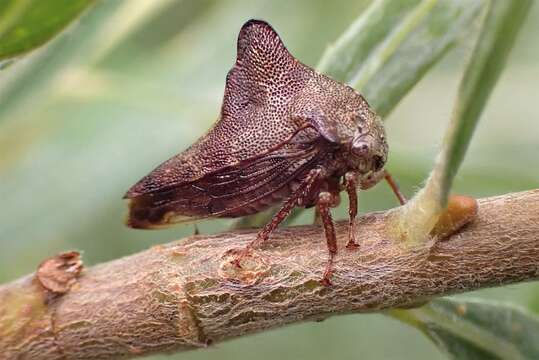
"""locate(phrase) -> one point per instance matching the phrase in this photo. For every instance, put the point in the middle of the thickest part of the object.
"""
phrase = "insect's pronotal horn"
(258, 43)
(262, 58)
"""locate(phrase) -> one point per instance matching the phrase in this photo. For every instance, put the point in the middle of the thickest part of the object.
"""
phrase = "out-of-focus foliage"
(502, 22)
(136, 82)
(392, 44)
(26, 24)
(477, 329)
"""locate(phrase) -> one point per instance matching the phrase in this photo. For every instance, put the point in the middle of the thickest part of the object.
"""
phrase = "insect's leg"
(316, 217)
(303, 190)
(393, 184)
(351, 185)
(324, 202)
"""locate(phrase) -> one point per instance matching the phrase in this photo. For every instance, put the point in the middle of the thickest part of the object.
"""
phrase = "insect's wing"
(254, 116)
(233, 191)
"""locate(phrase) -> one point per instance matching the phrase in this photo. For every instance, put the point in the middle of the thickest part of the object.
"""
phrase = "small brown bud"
(460, 211)
(59, 273)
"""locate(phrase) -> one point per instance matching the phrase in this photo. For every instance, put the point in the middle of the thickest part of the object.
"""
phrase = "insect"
(285, 134)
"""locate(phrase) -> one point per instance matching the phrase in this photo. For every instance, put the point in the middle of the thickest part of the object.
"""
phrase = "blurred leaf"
(157, 28)
(503, 20)
(27, 24)
(476, 329)
(387, 50)
(111, 22)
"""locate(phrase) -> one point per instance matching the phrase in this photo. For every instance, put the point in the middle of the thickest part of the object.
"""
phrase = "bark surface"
(186, 294)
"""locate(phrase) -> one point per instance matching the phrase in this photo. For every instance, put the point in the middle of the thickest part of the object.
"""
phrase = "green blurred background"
(134, 82)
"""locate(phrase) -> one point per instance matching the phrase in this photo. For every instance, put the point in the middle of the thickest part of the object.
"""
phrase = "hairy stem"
(186, 294)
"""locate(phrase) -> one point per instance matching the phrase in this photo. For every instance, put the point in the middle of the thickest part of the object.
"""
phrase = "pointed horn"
(257, 40)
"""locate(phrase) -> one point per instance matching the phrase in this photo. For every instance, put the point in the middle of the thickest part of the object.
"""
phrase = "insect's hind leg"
(303, 191)
(325, 199)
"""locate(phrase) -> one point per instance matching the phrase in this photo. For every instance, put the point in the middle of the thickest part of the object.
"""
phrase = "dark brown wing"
(233, 191)
(255, 115)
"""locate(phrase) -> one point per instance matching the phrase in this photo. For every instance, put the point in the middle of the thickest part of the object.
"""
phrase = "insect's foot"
(352, 245)
(325, 281)
(240, 255)
(326, 278)
(237, 262)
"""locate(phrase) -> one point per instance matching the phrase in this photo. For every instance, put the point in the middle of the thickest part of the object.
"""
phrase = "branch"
(186, 295)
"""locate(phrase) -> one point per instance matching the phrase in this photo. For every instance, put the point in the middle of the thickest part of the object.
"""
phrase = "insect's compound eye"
(360, 149)
(378, 162)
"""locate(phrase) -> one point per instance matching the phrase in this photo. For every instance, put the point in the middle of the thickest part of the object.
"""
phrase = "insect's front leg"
(374, 178)
(325, 199)
(351, 185)
(394, 187)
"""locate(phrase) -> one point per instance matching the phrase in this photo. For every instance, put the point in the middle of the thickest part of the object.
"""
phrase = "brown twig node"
(59, 273)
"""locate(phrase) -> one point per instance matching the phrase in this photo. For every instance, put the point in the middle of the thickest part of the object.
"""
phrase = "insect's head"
(369, 146)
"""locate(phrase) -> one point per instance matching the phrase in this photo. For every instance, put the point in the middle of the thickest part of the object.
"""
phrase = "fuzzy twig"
(186, 294)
